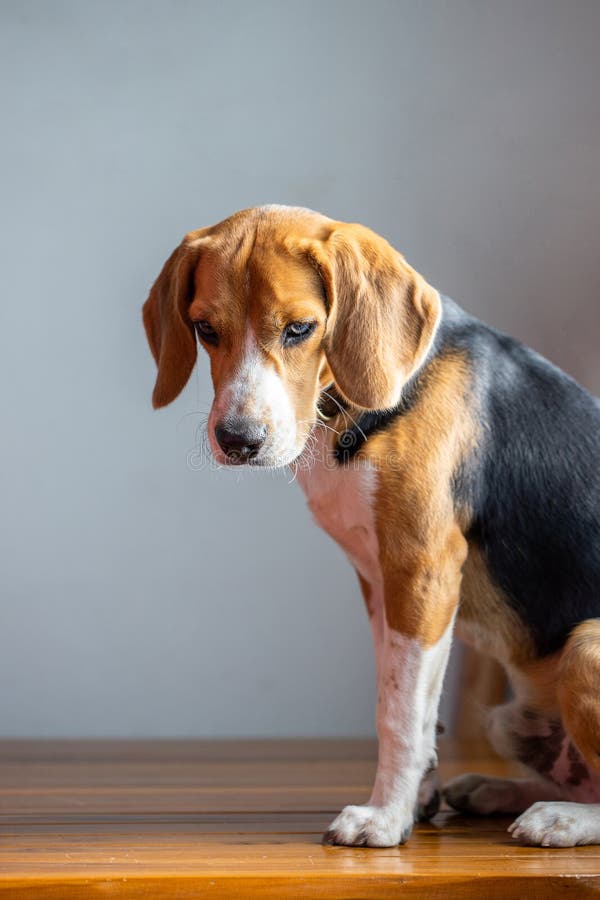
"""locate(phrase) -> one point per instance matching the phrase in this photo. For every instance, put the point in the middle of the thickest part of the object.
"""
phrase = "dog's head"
(286, 302)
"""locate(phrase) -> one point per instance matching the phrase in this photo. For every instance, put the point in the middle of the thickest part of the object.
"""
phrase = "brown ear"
(169, 330)
(382, 315)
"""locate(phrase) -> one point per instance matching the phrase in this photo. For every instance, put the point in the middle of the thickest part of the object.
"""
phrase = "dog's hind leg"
(578, 690)
(485, 795)
(552, 824)
(560, 806)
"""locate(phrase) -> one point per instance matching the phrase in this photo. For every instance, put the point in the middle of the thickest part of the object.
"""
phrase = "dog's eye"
(296, 332)
(206, 332)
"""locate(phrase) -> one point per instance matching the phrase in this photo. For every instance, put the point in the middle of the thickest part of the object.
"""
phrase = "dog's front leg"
(415, 609)
(429, 794)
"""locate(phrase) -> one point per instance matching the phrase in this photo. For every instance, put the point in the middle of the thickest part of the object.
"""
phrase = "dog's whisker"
(318, 424)
(202, 413)
(345, 412)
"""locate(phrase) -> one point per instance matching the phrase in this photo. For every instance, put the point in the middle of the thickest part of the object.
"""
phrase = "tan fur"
(168, 327)
(579, 689)
(485, 617)
(267, 266)
(367, 593)
(238, 283)
(535, 682)
(422, 547)
(381, 314)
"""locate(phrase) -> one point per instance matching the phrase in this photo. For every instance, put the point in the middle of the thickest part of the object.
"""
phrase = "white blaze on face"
(256, 394)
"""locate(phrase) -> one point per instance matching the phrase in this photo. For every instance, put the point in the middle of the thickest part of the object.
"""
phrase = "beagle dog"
(459, 471)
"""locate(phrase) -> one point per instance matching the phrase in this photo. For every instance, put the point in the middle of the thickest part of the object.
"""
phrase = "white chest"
(341, 499)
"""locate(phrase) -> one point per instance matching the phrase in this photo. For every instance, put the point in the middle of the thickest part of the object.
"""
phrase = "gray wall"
(139, 594)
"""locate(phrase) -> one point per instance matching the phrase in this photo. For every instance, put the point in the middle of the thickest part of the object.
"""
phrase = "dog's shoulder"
(525, 474)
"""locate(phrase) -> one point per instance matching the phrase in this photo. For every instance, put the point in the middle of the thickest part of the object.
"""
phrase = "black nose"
(240, 443)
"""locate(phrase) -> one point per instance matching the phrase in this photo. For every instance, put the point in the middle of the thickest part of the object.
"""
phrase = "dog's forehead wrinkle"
(251, 266)
(247, 245)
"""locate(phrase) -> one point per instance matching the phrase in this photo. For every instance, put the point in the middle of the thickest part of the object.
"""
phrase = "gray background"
(141, 595)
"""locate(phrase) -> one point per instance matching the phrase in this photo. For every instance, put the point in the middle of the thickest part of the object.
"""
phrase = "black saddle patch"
(533, 482)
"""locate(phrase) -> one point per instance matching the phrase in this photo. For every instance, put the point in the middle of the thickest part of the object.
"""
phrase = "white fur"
(409, 677)
(257, 393)
(341, 500)
(558, 824)
(408, 694)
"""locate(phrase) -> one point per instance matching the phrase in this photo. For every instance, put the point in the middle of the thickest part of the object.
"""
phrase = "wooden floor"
(182, 819)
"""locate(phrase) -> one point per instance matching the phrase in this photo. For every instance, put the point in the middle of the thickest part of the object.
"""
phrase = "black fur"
(534, 481)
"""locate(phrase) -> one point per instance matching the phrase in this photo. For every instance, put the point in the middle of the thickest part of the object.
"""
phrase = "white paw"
(481, 794)
(558, 824)
(370, 826)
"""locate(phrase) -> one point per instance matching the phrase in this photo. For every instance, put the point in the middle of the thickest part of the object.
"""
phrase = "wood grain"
(179, 819)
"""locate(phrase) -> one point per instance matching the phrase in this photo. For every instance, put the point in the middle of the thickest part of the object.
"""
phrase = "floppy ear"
(169, 330)
(382, 315)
